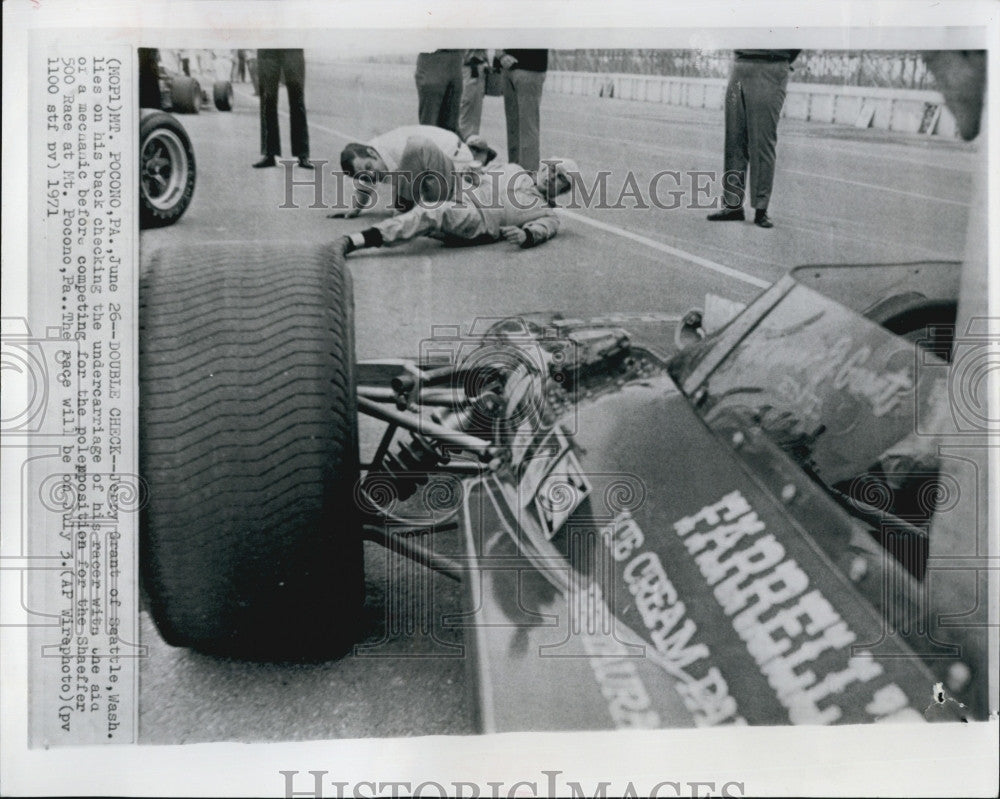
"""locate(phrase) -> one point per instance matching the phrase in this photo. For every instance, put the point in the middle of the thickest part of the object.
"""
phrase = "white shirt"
(390, 145)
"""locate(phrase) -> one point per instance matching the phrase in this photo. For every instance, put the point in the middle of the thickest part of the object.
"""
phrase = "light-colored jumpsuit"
(505, 195)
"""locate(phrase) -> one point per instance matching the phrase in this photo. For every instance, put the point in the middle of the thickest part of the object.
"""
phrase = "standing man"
(754, 97)
(271, 64)
(252, 69)
(523, 76)
(239, 72)
(439, 88)
(474, 69)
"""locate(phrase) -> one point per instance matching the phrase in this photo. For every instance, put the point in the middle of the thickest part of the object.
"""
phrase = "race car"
(663, 521)
(166, 156)
(184, 75)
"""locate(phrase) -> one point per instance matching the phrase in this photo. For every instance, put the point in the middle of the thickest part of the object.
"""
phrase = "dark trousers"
(754, 97)
(439, 88)
(271, 65)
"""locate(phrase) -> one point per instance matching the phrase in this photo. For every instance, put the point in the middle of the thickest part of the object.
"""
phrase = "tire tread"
(248, 437)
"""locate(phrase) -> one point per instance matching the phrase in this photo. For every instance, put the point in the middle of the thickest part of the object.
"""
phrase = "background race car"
(166, 157)
(185, 78)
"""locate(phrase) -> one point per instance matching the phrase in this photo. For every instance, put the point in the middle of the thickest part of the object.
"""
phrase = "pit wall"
(917, 111)
(903, 110)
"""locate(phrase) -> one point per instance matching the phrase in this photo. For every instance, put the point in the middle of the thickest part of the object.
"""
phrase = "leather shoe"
(266, 161)
(761, 219)
(728, 215)
(305, 163)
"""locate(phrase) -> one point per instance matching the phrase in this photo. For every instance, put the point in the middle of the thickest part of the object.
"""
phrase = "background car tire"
(250, 544)
(185, 95)
(928, 323)
(166, 170)
(222, 92)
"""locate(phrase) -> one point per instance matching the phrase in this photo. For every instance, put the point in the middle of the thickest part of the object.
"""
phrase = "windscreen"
(837, 392)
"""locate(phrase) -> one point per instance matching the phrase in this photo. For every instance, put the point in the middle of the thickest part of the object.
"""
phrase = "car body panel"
(799, 657)
(540, 659)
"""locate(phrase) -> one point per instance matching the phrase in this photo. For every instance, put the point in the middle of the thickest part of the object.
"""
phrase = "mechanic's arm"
(532, 233)
(363, 197)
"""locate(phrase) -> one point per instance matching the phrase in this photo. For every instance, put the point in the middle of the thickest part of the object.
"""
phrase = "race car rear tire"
(185, 95)
(250, 545)
(166, 170)
(222, 92)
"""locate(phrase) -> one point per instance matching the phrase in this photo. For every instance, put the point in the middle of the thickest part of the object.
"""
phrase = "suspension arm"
(425, 427)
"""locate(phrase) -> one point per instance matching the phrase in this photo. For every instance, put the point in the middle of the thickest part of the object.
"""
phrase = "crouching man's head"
(556, 176)
(360, 159)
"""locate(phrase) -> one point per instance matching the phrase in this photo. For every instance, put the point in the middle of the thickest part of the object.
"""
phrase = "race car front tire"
(250, 545)
(166, 169)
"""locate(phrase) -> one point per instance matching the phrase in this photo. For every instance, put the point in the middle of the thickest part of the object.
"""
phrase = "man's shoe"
(305, 163)
(480, 150)
(728, 215)
(761, 219)
(266, 161)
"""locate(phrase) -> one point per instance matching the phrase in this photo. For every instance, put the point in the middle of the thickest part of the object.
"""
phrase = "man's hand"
(507, 61)
(514, 235)
(364, 197)
(344, 245)
(344, 214)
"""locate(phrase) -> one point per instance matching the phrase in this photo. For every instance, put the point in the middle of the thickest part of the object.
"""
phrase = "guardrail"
(905, 110)
(917, 111)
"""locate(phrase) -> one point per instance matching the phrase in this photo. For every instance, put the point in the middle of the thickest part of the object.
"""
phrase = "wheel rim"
(164, 169)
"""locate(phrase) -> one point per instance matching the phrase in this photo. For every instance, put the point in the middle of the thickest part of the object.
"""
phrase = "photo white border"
(913, 761)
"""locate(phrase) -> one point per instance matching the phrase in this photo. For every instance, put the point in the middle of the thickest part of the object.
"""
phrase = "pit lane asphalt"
(840, 196)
